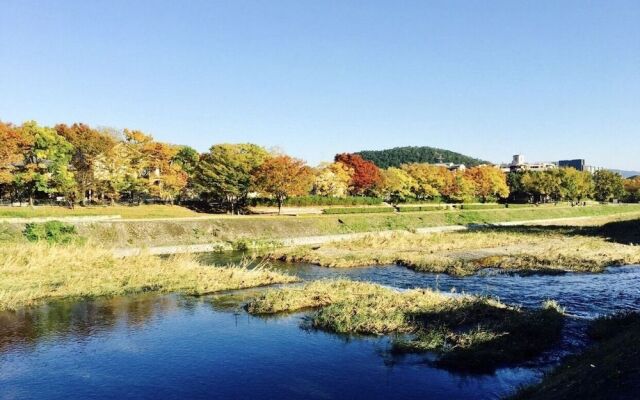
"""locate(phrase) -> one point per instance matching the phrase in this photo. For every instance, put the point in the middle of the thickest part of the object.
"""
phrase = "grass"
(517, 249)
(142, 211)
(608, 369)
(358, 210)
(34, 273)
(468, 333)
(227, 229)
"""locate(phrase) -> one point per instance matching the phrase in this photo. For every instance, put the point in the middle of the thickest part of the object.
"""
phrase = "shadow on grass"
(480, 336)
(623, 232)
(608, 369)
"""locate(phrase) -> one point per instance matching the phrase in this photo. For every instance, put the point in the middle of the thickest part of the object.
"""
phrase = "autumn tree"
(607, 185)
(11, 154)
(224, 174)
(632, 189)
(430, 180)
(490, 183)
(397, 184)
(366, 178)
(458, 188)
(332, 180)
(283, 176)
(88, 144)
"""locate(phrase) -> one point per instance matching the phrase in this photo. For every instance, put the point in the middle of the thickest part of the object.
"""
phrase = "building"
(578, 164)
(451, 166)
(518, 164)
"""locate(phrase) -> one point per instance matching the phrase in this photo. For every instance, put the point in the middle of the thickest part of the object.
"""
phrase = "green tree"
(224, 174)
(45, 163)
(607, 185)
(576, 185)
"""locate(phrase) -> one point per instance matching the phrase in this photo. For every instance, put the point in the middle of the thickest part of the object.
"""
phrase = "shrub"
(432, 207)
(302, 201)
(358, 210)
(490, 206)
(51, 231)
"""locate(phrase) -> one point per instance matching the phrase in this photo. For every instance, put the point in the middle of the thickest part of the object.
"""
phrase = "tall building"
(578, 164)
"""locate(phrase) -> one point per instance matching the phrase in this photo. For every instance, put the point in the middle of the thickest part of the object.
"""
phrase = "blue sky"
(549, 79)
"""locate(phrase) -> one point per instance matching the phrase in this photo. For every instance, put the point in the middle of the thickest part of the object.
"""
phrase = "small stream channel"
(176, 347)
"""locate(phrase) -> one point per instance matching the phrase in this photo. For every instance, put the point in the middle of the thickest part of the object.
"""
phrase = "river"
(178, 347)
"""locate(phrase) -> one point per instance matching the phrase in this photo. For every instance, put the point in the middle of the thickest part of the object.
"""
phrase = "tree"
(542, 185)
(490, 182)
(14, 143)
(332, 180)
(431, 180)
(397, 185)
(632, 189)
(459, 188)
(282, 177)
(366, 178)
(224, 174)
(88, 145)
(576, 185)
(45, 165)
(608, 185)
(187, 157)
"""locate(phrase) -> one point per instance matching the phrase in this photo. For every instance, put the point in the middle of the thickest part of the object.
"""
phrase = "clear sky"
(549, 79)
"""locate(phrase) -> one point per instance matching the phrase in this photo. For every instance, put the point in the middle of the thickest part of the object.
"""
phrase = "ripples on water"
(180, 347)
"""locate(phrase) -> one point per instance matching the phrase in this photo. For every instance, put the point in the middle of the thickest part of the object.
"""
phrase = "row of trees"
(567, 184)
(80, 163)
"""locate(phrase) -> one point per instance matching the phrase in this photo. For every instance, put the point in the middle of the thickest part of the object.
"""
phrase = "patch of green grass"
(53, 232)
(608, 369)
(468, 333)
(141, 211)
(358, 210)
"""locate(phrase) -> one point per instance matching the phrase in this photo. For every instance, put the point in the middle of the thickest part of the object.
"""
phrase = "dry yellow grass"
(463, 253)
(34, 273)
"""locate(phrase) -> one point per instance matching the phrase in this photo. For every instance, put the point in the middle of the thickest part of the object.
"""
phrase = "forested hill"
(421, 154)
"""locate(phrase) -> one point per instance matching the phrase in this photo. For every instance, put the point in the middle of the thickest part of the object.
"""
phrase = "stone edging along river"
(321, 239)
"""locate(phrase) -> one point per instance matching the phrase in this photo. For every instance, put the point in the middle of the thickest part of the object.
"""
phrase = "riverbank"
(520, 249)
(608, 369)
(36, 273)
(227, 230)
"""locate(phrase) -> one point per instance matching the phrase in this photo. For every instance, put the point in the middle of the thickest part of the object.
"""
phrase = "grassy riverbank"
(468, 333)
(35, 273)
(227, 229)
(609, 369)
(545, 249)
(141, 211)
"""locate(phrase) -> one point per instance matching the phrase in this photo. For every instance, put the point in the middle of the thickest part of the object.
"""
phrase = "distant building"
(578, 164)
(518, 164)
(451, 166)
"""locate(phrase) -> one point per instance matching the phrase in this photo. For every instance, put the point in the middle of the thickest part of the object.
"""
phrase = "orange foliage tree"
(366, 178)
(282, 177)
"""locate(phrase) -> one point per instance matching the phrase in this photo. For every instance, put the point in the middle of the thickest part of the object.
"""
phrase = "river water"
(176, 347)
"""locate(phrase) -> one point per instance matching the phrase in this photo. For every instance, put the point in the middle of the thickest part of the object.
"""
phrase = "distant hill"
(420, 154)
(626, 174)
